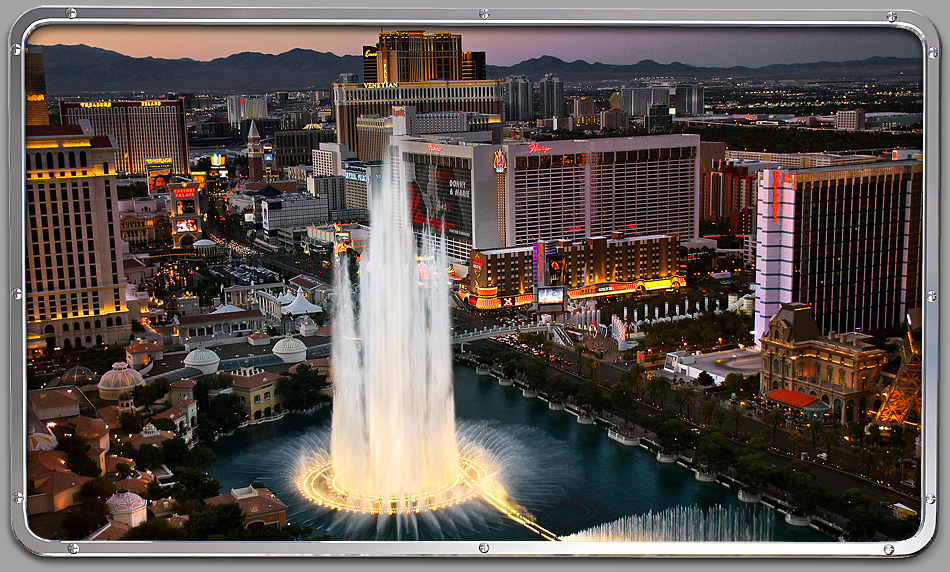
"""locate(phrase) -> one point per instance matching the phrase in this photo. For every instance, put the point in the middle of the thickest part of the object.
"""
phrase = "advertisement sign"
(189, 225)
(159, 173)
(550, 296)
(441, 197)
(217, 160)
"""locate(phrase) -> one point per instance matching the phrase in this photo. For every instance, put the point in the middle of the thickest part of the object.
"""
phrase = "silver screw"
(16, 49)
(71, 14)
(484, 14)
(933, 53)
(892, 17)
(932, 296)
(73, 548)
(17, 293)
(931, 498)
(888, 549)
(18, 498)
(483, 547)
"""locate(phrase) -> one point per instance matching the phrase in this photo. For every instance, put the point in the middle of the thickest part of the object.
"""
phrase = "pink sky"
(506, 46)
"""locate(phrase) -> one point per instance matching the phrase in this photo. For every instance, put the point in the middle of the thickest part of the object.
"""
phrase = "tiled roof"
(252, 381)
(50, 398)
(143, 347)
(263, 503)
(215, 318)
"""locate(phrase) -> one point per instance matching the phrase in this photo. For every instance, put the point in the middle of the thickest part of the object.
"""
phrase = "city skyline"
(700, 47)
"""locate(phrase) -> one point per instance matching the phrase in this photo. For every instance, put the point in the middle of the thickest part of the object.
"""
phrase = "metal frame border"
(496, 17)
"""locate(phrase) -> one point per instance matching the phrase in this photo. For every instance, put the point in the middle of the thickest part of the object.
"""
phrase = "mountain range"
(81, 69)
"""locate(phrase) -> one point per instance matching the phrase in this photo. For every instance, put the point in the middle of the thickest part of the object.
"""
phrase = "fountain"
(687, 524)
(394, 449)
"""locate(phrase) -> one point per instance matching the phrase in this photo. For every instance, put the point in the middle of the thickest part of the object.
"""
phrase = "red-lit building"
(728, 193)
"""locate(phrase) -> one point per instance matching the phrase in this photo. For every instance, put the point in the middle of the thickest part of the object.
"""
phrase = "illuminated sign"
(268, 156)
(95, 104)
(166, 161)
(434, 148)
(399, 112)
(776, 193)
(379, 85)
(500, 163)
(535, 148)
(217, 160)
(362, 177)
(477, 260)
(550, 296)
(604, 288)
(189, 225)
(36, 97)
(151, 103)
(184, 193)
(369, 53)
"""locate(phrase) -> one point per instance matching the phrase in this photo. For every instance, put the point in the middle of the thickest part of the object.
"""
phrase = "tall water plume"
(687, 524)
(393, 425)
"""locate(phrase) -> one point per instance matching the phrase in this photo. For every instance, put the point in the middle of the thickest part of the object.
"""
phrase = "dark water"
(568, 476)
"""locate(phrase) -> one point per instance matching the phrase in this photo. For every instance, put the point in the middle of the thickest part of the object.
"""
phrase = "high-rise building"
(330, 186)
(295, 146)
(34, 77)
(241, 107)
(328, 159)
(688, 100)
(75, 280)
(658, 118)
(352, 101)
(846, 240)
(638, 100)
(473, 66)
(142, 129)
(616, 119)
(412, 56)
(583, 106)
(255, 154)
(850, 120)
(552, 97)
(369, 64)
(519, 98)
(728, 193)
(293, 210)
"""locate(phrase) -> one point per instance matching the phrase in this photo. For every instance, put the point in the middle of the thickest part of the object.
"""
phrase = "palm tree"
(775, 417)
(831, 437)
(593, 365)
(816, 430)
(659, 386)
(685, 396)
(735, 415)
(719, 415)
(706, 411)
(867, 461)
(794, 438)
(580, 349)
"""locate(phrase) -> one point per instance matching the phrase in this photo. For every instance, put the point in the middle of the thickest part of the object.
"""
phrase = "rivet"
(483, 547)
(931, 498)
(932, 296)
(17, 293)
(17, 498)
(892, 17)
(73, 548)
(888, 549)
(933, 53)
(484, 14)
(71, 14)
(16, 49)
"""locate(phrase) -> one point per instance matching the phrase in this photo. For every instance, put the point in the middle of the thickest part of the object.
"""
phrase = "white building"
(293, 210)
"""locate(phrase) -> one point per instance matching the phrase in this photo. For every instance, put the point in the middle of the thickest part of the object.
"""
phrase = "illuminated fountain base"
(321, 486)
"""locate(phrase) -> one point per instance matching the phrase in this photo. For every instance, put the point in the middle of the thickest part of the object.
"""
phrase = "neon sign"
(434, 148)
(776, 193)
(535, 148)
(185, 193)
(36, 97)
(95, 104)
(500, 163)
(151, 103)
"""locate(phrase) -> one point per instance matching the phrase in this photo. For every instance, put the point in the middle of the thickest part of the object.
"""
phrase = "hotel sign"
(499, 162)
(535, 148)
(95, 104)
(434, 148)
(379, 85)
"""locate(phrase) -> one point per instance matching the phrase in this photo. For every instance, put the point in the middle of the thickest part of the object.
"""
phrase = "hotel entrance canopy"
(807, 404)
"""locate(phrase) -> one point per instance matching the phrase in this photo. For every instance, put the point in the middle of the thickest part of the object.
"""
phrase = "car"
(884, 504)
(909, 483)
(822, 456)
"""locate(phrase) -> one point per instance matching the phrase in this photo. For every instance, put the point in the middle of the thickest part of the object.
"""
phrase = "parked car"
(822, 456)
(909, 483)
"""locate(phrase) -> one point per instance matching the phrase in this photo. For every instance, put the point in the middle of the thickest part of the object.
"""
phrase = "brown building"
(260, 507)
(142, 230)
(841, 370)
(728, 193)
(588, 268)
(37, 112)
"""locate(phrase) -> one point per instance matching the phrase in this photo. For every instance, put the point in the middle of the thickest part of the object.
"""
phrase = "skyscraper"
(37, 112)
(255, 154)
(637, 100)
(142, 130)
(845, 239)
(688, 100)
(75, 280)
(552, 96)
(518, 98)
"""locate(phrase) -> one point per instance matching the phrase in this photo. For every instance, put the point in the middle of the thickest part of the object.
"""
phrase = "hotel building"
(840, 370)
(588, 268)
(142, 130)
(728, 193)
(846, 240)
(75, 280)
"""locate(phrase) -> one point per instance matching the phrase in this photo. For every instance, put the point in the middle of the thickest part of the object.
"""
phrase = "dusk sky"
(707, 47)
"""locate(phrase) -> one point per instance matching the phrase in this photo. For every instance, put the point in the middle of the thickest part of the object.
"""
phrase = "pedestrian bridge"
(484, 333)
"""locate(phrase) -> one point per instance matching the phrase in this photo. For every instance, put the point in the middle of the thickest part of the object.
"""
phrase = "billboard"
(217, 160)
(441, 195)
(159, 173)
(550, 296)
(188, 225)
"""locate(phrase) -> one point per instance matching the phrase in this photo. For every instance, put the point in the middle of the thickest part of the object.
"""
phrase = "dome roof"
(288, 344)
(124, 501)
(201, 356)
(78, 375)
(120, 376)
(205, 242)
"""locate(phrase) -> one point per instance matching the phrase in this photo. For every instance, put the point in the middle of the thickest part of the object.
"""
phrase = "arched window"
(72, 159)
(65, 327)
(109, 322)
(88, 339)
(105, 168)
(29, 163)
(78, 343)
(118, 321)
(82, 158)
(38, 160)
(49, 329)
(99, 340)
(61, 160)
(76, 326)
(98, 324)
(86, 325)
(849, 411)
(49, 160)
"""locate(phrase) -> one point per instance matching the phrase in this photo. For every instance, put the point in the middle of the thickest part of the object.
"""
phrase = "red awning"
(790, 398)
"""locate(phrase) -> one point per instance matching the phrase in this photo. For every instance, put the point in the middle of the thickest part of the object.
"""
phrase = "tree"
(831, 437)
(685, 396)
(594, 367)
(224, 521)
(704, 379)
(155, 529)
(123, 470)
(201, 458)
(163, 424)
(805, 490)
(658, 387)
(87, 517)
(753, 469)
(713, 449)
(99, 488)
(176, 452)
(77, 460)
(672, 435)
(853, 498)
(194, 485)
(774, 418)
(735, 416)
(302, 389)
(621, 397)
(589, 397)
(149, 457)
(795, 438)
(867, 461)
(719, 415)
(706, 411)
(635, 377)
(130, 422)
(816, 429)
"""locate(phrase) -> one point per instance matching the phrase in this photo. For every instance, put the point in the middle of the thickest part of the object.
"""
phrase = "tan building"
(259, 506)
(257, 392)
(841, 370)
